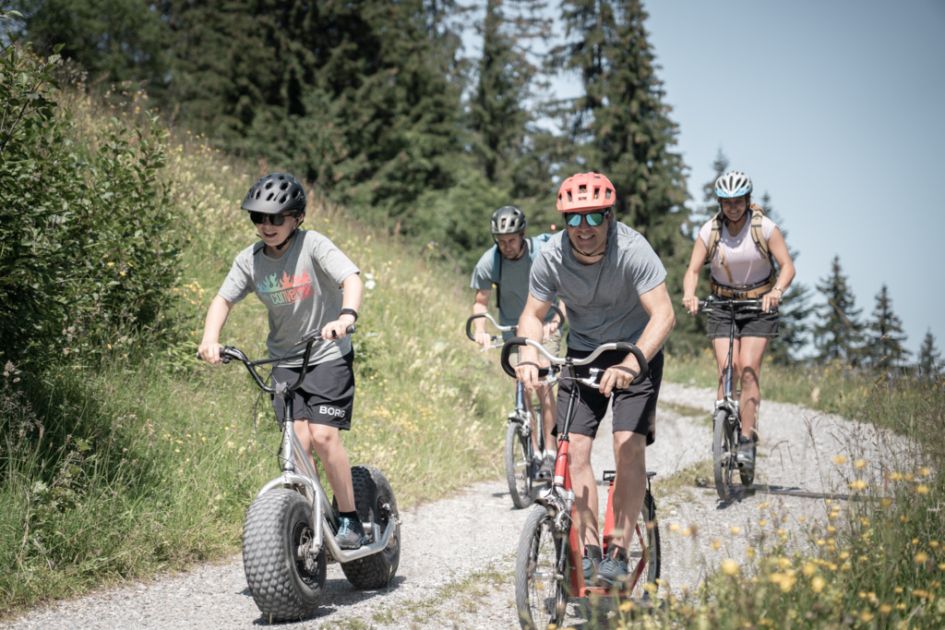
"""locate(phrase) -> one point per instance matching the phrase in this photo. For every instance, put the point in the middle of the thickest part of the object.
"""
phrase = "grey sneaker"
(547, 468)
(613, 569)
(350, 533)
(746, 452)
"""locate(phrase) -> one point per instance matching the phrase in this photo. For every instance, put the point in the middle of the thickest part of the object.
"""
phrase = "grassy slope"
(176, 458)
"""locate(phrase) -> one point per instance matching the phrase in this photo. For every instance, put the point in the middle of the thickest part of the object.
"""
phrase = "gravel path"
(458, 554)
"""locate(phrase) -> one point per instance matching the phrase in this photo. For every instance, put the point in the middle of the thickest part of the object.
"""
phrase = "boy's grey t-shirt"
(604, 298)
(301, 291)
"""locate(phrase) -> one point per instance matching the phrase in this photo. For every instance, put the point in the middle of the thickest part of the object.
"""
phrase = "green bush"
(88, 244)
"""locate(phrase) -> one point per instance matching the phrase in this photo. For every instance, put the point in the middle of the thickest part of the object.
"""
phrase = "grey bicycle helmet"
(732, 184)
(508, 220)
(276, 193)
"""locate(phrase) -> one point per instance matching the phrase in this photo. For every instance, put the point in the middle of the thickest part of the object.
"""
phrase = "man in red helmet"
(614, 285)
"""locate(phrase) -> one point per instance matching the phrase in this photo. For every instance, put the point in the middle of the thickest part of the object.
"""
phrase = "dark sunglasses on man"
(573, 219)
(274, 219)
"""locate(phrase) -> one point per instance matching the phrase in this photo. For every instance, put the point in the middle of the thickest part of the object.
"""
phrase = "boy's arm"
(352, 291)
(210, 346)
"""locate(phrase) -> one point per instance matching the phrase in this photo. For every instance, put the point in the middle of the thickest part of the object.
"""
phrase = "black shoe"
(350, 533)
(591, 561)
(746, 452)
(613, 569)
(547, 468)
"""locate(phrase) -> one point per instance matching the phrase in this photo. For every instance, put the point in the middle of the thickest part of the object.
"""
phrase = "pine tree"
(930, 361)
(620, 126)
(499, 113)
(837, 335)
(114, 41)
(884, 337)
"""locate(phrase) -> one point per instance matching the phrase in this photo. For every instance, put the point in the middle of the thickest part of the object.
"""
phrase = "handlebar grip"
(469, 324)
(507, 351)
(623, 346)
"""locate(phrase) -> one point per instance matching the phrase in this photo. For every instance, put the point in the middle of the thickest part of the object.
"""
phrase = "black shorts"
(634, 407)
(747, 324)
(326, 396)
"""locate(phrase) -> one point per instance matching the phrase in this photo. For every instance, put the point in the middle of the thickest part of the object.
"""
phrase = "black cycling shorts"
(326, 396)
(634, 407)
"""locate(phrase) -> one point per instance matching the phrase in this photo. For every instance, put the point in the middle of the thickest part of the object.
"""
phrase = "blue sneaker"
(591, 561)
(613, 569)
(350, 533)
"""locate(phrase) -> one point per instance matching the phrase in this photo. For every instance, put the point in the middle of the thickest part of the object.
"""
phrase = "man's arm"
(657, 304)
(530, 326)
(480, 306)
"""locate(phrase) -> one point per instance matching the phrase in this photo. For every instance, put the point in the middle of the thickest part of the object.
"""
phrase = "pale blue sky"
(837, 109)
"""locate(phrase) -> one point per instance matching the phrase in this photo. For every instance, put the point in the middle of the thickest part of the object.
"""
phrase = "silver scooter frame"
(299, 474)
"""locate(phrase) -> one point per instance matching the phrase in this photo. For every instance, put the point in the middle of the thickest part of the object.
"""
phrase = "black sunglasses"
(274, 219)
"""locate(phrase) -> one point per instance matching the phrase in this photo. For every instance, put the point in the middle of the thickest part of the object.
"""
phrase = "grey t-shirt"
(513, 280)
(513, 283)
(603, 298)
(301, 291)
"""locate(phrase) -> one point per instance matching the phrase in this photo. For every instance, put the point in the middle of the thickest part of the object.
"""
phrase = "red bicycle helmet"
(585, 192)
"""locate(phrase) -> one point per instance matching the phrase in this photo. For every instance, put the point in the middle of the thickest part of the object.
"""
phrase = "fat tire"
(374, 501)
(281, 585)
(518, 466)
(536, 560)
(722, 448)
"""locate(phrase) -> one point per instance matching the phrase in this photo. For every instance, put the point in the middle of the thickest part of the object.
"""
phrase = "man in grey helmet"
(506, 266)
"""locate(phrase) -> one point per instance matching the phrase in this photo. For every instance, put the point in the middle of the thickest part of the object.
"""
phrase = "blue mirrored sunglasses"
(573, 219)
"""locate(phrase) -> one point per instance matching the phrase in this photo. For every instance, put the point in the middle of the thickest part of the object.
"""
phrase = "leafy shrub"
(87, 239)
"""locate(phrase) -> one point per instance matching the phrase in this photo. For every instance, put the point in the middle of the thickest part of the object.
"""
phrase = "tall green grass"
(149, 463)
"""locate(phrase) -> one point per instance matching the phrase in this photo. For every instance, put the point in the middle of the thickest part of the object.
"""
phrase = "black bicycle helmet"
(276, 193)
(508, 220)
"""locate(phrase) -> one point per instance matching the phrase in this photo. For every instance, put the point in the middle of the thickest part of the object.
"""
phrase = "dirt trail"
(458, 553)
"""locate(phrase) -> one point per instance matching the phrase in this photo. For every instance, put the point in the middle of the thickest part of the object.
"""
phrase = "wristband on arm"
(349, 311)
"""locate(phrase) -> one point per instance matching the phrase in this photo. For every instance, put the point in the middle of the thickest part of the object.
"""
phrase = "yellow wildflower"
(922, 489)
(839, 460)
(859, 464)
(729, 567)
(885, 609)
(817, 584)
(857, 484)
(921, 557)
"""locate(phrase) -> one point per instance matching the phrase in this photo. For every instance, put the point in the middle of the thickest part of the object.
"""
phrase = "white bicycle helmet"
(732, 184)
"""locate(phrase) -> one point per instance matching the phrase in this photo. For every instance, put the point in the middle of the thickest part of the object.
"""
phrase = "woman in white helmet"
(741, 245)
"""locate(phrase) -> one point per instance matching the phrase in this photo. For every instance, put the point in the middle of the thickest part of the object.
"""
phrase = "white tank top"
(737, 262)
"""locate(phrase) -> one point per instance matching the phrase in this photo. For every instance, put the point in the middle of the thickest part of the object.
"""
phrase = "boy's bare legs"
(325, 441)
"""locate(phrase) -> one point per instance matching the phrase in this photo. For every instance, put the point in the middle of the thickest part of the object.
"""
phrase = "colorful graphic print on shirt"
(287, 290)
